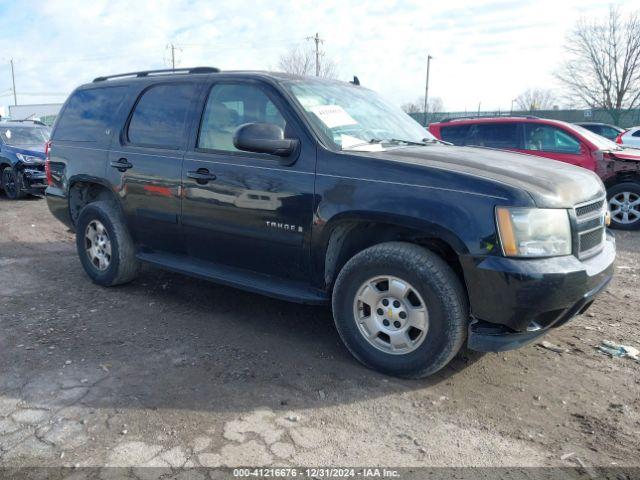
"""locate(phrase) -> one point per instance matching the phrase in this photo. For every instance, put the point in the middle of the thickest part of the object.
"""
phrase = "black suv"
(318, 191)
(22, 155)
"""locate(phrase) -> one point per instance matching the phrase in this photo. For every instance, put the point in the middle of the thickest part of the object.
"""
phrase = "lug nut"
(396, 304)
(397, 324)
(380, 311)
(385, 322)
(385, 302)
(402, 315)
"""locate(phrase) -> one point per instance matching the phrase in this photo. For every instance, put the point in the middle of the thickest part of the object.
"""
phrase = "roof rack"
(167, 71)
(471, 117)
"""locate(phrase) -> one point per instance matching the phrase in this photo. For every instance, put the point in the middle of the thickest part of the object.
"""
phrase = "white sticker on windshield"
(7, 134)
(333, 115)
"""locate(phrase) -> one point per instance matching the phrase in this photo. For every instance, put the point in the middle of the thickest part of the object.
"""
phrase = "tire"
(120, 264)
(11, 184)
(621, 198)
(434, 285)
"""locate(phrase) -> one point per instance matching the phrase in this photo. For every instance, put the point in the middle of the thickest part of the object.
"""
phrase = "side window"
(159, 118)
(88, 114)
(546, 138)
(609, 133)
(455, 135)
(228, 107)
(497, 135)
(636, 133)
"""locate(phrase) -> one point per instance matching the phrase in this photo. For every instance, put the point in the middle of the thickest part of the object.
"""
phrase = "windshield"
(354, 118)
(24, 135)
(598, 140)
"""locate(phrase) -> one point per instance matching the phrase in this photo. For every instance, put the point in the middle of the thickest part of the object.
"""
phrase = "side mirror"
(264, 138)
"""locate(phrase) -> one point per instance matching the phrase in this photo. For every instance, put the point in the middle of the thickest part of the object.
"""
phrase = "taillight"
(47, 162)
(619, 138)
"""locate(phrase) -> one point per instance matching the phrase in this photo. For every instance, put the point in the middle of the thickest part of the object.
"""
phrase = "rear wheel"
(104, 245)
(11, 184)
(624, 204)
(400, 309)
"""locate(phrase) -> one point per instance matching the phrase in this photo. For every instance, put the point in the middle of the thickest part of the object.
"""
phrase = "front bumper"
(34, 179)
(515, 301)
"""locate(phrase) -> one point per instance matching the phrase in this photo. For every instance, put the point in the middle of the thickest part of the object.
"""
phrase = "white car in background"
(630, 138)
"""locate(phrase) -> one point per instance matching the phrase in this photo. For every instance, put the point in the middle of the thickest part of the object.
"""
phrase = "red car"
(618, 167)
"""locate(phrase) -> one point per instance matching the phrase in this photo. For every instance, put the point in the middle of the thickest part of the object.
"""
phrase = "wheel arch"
(622, 177)
(84, 190)
(348, 234)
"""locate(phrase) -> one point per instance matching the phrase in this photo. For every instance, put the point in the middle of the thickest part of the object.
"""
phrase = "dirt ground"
(171, 371)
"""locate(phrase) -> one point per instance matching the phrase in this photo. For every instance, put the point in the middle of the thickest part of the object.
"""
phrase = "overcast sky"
(484, 51)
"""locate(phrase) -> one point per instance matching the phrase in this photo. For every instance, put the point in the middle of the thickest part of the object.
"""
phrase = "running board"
(234, 277)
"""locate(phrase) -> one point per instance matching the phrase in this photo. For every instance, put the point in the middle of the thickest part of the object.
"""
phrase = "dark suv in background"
(618, 167)
(610, 132)
(22, 154)
(321, 192)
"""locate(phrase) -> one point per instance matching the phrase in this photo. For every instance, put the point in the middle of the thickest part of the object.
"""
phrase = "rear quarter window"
(89, 114)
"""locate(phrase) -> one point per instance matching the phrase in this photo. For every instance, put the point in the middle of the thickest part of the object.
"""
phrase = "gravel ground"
(171, 371)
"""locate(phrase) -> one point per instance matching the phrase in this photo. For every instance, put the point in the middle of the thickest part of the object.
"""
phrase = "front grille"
(591, 239)
(589, 208)
(590, 222)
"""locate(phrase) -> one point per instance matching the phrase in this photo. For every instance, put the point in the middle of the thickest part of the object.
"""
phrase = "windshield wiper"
(407, 142)
(369, 142)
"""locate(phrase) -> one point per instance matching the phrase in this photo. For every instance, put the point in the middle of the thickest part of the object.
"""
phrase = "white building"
(45, 112)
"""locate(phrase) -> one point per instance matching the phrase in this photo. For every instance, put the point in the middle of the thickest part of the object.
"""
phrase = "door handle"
(122, 164)
(202, 176)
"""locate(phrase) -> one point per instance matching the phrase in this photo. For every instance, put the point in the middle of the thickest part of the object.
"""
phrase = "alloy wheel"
(98, 245)
(625, 207)
(391, 315)
(9, 182)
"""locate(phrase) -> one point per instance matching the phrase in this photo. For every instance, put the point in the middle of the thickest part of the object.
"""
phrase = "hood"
(36, 150)
(551, 183)
(632, 154)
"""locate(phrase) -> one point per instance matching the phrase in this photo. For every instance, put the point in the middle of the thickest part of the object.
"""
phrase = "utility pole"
(13, 80)
(426, 90)
(173, 57)
(316, 38)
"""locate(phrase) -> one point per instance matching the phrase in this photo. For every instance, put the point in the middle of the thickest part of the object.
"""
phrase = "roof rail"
(167, 71)
(471, 117)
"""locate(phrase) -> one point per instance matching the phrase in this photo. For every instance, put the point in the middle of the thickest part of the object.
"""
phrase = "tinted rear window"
(159, 118)
(455, 135)
(495, 135)
(89, 114)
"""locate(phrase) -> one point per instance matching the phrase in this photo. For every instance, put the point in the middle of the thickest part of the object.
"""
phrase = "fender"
(340, 237)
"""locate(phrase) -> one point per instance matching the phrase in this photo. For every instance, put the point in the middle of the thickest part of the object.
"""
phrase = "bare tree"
(603, 68)
(536, 99)
(301, 61)
(435, 105)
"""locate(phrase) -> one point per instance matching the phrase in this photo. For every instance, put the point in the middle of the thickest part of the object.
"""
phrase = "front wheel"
(624, 204)
(400, 309)
(11, 184)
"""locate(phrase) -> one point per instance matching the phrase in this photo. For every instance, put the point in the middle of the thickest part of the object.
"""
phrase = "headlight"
(534, 232)
(28, 158)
